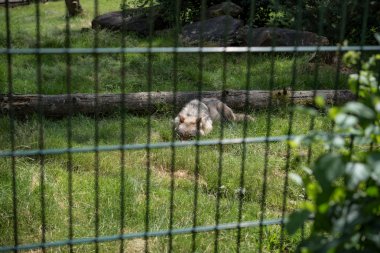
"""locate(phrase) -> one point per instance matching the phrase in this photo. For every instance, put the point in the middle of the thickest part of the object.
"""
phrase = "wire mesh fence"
(81, 181)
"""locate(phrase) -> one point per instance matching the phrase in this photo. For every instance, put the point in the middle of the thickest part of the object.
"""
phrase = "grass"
(55, 167)
(57, 171)
(54, 68)
(53, 73)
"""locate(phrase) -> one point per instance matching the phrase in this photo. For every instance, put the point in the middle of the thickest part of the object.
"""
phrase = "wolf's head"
(190, 127)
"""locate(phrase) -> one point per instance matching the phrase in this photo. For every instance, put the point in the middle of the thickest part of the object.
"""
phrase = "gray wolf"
(197, 117)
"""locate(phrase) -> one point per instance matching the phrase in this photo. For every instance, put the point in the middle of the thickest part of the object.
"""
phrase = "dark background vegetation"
(337, 20)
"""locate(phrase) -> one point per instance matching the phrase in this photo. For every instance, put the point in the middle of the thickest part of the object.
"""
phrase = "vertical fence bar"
(266, 156)
(177, 6)
(339, 56)
(69, 130)
(339, 52)
(241, 191)
(122, 128)
(96, 129)
(221, 135)
(40, 125)
(197, 151)
(267, 144)
(364, 24)
(378, 90)
(362, 42)
(149, 125)
(290, 124)
(321, 12)
(11, 125)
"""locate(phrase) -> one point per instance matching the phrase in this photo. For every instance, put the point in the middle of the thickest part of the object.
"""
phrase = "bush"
(284, 13)
(330, 14)
(190, 10)
(343, 185)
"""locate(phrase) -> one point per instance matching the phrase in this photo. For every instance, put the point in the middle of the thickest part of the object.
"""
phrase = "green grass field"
(83, 165)
(55, 135)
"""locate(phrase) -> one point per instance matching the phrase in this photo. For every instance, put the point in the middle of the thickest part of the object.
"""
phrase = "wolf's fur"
(196, 117)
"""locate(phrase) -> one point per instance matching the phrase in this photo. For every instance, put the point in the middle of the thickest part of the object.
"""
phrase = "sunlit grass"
(134, 166)
(55, 68)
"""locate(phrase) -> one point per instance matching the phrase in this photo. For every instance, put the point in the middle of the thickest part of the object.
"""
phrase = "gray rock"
(111, 20)
(225, 8)
(214, 30)
(267, 36)
(135, 20)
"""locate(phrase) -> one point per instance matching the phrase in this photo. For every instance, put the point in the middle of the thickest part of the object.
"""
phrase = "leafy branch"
(343, 184)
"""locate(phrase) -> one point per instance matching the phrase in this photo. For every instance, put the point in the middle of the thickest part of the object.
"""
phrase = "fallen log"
(63, 104)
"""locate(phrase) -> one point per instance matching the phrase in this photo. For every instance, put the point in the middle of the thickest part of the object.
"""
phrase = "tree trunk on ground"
(63, 105)
(73, 7)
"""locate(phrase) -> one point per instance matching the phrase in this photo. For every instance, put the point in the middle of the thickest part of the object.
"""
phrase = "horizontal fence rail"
(176, 144)
(135, 50)
(145, 146)
(100, 239)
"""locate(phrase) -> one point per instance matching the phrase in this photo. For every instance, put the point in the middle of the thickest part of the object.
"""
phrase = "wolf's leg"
(226, 112)
(241, 117)
(231, 116)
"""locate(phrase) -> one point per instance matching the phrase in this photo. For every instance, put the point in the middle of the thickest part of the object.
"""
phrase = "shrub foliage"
(337, 20)
(343, 185)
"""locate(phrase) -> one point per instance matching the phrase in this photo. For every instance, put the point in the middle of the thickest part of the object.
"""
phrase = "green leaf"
(328, 168)
(322, 208)
(320, 101)
(375, 238)
(339, 194)
(312, 190)
(353, 83)
(362, 140)
(373, 161)
(296, 220)
(348, 217)
(377, 106)
(373, 191)
(377, 37)
(351, 58)
(307, 170)
(306, 110)
(338, 141)
(373, 158)
(296, 142)
(345, 120)
(357, 173)
(296, 178)
(333, 112)
(359, 110)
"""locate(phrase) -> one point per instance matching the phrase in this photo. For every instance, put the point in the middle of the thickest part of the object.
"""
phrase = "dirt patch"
(135, 246)
(164, 173)
(183, 174)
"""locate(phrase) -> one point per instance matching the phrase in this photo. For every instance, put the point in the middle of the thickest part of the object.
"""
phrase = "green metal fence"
(220, 144)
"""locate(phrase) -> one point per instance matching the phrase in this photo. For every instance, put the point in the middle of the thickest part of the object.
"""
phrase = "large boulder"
(268, 36)
(133, 20)
(111, 21)
(225, 8)
(214, 30)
